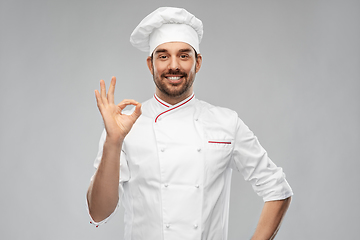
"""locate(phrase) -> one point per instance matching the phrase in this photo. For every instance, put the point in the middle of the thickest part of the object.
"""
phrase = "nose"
(173, 64)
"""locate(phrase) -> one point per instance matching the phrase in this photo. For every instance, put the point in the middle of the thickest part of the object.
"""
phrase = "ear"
(198, 63)
(149, 64)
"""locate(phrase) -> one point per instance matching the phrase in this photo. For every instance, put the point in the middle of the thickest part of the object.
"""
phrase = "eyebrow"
(162, 50)
(185, 50)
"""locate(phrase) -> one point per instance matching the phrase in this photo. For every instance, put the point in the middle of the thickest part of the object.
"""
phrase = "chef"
(169, 161)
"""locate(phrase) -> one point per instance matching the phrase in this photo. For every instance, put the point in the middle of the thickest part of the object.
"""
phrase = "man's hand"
(117, 125)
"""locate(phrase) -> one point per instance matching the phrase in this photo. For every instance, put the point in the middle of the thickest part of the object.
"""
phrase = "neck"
(172, 100)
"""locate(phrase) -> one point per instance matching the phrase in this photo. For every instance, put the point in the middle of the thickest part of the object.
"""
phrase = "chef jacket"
(175, 170)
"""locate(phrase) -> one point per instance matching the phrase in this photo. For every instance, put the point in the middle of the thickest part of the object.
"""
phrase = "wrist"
(114, 141)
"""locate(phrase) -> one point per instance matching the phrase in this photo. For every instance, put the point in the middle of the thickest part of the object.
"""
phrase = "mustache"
(174, 72)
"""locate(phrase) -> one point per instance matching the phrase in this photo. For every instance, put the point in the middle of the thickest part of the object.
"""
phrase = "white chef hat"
(167, 24)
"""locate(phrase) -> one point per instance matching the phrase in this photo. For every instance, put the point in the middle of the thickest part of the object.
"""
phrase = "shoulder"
(147, 103)
(216, 112)
(221, 116)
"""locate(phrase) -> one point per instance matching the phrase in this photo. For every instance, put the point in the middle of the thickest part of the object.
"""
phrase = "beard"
(172, 89)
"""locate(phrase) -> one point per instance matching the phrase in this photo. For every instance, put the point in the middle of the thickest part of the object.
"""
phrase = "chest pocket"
(219, 143)
(218, 152)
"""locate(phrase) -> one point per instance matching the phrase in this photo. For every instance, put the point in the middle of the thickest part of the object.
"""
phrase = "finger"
(136, 114)
(110, 96)
(103, 90)
(98, 100)
(127, 102)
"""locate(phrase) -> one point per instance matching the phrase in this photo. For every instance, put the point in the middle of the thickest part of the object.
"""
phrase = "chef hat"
(167, 24)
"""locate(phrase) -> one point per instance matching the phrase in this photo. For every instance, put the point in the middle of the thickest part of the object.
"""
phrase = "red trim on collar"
(160, 101)
(174, 107)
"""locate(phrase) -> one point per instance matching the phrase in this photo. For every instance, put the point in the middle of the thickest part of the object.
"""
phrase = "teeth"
(174, 78)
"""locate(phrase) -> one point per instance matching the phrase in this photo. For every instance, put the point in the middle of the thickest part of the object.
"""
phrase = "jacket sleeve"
(251, 159)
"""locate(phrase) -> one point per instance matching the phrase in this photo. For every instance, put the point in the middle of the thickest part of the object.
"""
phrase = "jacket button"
(199, 149)
(166, 185)
(162, 150)
(197, 186)
(167, 225)
(195, 226)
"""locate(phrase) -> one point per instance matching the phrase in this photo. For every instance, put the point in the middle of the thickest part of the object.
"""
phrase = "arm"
(270, 219)
(102, 195)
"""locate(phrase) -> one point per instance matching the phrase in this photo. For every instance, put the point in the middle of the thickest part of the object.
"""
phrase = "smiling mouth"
(174, 79)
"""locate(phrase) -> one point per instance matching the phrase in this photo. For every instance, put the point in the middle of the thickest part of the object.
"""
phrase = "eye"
(162, 57)
(184, 56)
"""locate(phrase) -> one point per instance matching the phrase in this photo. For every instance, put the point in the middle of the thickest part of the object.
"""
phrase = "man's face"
(174, 67)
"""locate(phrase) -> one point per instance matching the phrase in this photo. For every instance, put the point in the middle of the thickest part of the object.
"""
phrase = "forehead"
(174, 47)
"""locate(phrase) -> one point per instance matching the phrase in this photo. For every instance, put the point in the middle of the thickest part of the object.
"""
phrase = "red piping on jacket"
(160, 101)
(220, 142)
(174, 107)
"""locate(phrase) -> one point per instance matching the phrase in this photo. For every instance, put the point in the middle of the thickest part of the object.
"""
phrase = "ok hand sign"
(117, 125)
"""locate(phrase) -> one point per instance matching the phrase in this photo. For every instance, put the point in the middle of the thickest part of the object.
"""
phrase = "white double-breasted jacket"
(175, 170)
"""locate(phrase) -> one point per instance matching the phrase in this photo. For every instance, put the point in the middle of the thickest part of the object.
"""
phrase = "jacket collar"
(165, 108)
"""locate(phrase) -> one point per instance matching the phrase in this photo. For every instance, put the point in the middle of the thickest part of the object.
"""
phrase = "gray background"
(289, 68)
